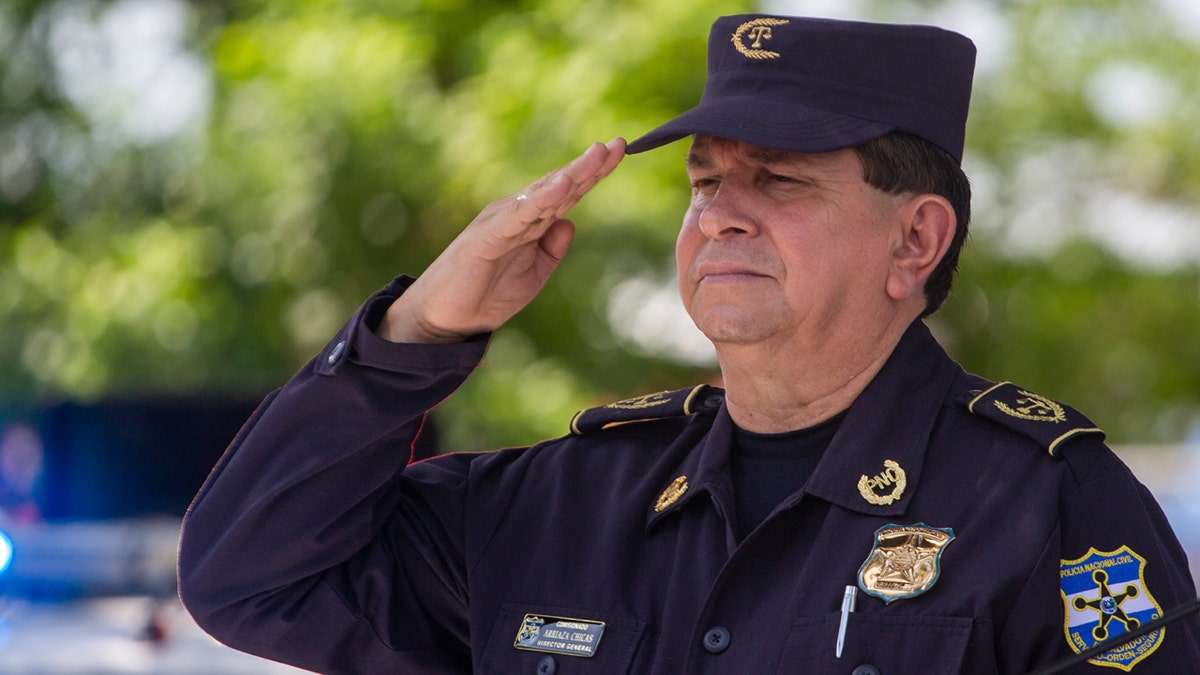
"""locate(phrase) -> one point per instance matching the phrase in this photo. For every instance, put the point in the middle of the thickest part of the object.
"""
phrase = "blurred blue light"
(6, 552)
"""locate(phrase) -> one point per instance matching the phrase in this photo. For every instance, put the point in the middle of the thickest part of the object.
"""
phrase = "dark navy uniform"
(983, 526)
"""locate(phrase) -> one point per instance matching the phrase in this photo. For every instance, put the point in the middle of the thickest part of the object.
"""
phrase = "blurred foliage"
(336, 144)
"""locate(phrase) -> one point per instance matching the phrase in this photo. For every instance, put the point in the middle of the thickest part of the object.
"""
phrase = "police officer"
(852, 502)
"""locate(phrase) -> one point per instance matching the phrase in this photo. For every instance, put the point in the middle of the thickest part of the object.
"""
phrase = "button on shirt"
(315, 544)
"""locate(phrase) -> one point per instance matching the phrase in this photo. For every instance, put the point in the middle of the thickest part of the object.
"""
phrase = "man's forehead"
(704, 147)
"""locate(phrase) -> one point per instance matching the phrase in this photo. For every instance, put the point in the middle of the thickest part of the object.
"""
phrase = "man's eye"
(704, 183)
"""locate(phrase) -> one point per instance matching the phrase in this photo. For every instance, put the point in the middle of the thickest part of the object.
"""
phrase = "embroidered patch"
(1104, 595)
(905, 561)
(1048, 422)
(892, 477)
(1033, 407)
(558, 635)
(701, 399)
(758, 32)
(642, 402)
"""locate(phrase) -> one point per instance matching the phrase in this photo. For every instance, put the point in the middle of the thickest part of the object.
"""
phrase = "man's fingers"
(552, 195)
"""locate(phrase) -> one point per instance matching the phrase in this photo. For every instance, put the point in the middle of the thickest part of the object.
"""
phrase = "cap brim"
(787, 127)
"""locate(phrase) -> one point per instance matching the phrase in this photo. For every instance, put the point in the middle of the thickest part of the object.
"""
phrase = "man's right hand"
(503, 258)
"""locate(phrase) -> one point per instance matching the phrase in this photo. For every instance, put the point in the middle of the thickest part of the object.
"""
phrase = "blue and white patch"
(1104, 595)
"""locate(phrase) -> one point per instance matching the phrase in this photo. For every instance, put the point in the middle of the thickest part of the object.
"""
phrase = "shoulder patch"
(1045, 421)
(699, 399)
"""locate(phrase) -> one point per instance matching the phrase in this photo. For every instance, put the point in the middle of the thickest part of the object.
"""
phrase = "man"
(852, 502)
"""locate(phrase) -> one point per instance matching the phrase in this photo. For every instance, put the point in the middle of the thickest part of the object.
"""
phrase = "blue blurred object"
(6, 552)
(70, 560)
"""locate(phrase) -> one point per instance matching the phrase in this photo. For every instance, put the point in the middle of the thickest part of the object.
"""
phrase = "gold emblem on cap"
(1031, 406)
(672, 494)
(758, 31)
(892, 476)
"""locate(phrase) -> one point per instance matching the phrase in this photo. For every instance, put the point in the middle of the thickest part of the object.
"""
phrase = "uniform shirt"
(768, 468)
(315, 541)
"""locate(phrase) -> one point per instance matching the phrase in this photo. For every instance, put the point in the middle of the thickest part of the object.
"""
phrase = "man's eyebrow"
(768, 156)
(697, 160)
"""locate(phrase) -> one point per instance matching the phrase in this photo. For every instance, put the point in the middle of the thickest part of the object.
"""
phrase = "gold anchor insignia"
(1033, 407)
(892, 474)
(672, 494)
(758, 30)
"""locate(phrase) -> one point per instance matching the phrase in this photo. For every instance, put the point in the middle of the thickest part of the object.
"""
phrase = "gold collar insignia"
(672, 494)
(892, 476)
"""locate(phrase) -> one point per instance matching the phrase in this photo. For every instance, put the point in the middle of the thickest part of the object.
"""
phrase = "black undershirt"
(767, 468)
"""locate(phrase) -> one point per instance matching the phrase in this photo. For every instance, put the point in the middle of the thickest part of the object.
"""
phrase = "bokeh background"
(195, 195)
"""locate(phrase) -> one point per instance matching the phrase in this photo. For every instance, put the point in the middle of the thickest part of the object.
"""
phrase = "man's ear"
(924, 229)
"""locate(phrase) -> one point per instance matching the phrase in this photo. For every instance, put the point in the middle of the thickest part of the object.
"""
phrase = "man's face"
(785, 248)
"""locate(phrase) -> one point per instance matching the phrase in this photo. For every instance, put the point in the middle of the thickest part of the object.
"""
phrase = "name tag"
(559, 635)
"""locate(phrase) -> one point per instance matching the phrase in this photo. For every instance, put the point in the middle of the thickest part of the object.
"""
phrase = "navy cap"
(817, 85)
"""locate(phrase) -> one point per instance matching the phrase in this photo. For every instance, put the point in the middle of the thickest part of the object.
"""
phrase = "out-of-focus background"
(194, 195)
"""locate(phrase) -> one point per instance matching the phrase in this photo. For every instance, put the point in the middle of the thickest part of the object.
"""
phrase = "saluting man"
(851, 502)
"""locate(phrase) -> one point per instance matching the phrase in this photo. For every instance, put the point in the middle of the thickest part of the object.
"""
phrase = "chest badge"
(672, 494)
(559, 635)
(1104, 595)
(891, 482)
(905, 561)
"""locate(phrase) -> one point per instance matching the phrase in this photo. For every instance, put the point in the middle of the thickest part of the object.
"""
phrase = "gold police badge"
(905, 561)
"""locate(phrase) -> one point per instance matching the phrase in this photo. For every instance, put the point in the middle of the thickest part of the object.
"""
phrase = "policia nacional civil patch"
(1104, 595)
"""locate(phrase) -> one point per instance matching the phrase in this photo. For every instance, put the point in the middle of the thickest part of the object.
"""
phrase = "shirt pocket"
(613, 651)
(897, 644)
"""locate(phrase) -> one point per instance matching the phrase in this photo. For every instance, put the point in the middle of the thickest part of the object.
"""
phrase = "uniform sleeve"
(1113, 564)
(305, 545)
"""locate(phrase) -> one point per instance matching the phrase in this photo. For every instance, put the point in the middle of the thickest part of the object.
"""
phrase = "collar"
(704, 470)
(874, 463)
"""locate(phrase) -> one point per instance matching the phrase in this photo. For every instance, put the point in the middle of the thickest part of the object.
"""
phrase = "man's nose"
(726, 213)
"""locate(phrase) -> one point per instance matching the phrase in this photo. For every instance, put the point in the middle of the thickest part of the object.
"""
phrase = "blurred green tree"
(193, 196)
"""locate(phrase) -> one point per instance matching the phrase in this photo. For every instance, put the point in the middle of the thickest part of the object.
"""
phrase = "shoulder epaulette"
(1047, 422)
(699, 399)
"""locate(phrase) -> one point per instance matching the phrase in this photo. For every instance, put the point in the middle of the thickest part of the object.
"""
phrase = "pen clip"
(848, 601)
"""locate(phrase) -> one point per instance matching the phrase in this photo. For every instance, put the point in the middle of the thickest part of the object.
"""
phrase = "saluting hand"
(503, 258)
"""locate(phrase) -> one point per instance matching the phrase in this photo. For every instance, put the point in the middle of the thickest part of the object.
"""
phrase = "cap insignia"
(905, 561)
(672, 494)
(892, 476)
(757, 32)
